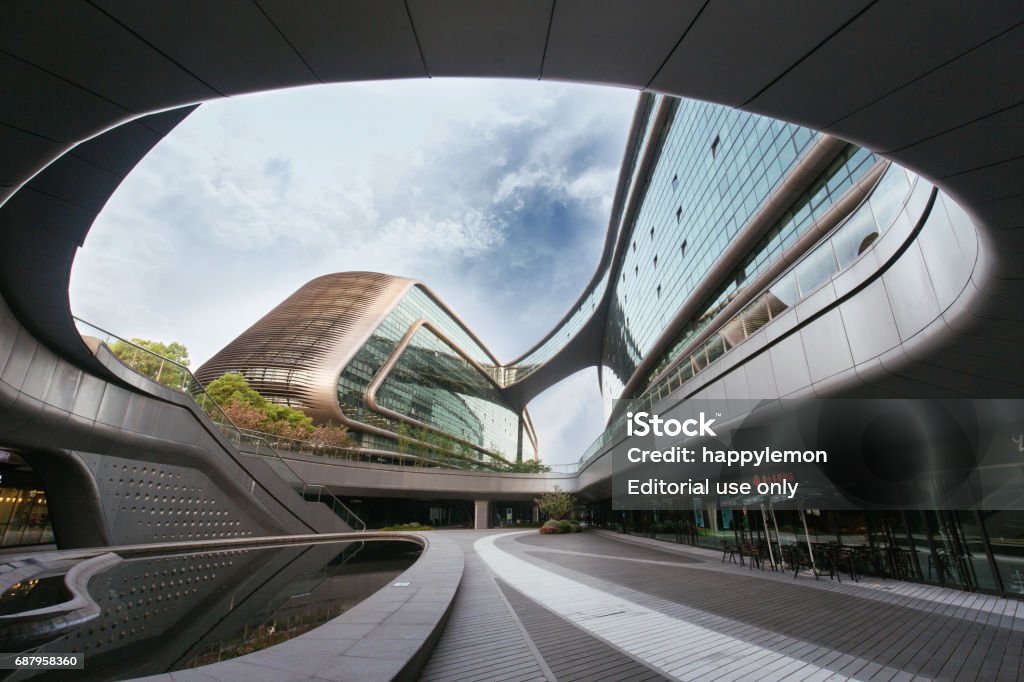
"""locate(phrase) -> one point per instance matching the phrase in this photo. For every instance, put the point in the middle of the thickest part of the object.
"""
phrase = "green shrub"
(415, 525)
(564, 526)
(576, 527)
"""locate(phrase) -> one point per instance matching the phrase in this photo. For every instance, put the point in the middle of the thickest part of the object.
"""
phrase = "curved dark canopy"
(90, 87)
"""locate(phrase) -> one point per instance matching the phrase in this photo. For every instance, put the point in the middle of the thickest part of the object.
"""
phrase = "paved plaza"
(601, 606)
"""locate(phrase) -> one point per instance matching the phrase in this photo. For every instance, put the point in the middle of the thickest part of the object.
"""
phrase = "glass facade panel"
(854, 237)
(357, 375)
(24, 517)
(815, 270)
(1005, 530)
(972, 538)
(887, 199)
(849, 165)
(434, 384)
(816, 267)
(964, 550)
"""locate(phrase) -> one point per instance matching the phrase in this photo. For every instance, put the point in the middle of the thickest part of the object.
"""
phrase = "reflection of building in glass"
(385, 357)
(725, 222)
(712, 205)
(715, 198)
(24, 514)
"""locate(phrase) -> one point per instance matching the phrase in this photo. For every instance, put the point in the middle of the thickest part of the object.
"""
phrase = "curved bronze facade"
(293, 354)
(330, 346)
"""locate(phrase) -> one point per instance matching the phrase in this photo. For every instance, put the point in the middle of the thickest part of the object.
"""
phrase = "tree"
(288, 417)
(233, 388)
(154, 364)
(530, 466)
(333, 435)
(403, 437)
(244, 415)
(247, 409)
(557, 504)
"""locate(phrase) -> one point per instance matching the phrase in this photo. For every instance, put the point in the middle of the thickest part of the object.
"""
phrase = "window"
(714, 146)
(652, 233)
(634, 245)
(679, 214)
(675, 182)
(659, 291)
(682, 248)
(655, 261)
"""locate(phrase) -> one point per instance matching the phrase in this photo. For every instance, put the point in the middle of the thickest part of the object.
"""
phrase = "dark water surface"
(166, 613)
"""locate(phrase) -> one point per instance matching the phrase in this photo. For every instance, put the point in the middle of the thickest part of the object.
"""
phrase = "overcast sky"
(496, 194)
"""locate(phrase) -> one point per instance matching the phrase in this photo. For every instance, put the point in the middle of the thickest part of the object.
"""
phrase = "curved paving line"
(675, 647)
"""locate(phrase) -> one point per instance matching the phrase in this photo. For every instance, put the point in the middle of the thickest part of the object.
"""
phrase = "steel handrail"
(197, 389)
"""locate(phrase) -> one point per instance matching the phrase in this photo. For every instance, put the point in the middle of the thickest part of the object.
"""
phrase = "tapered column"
(481, 516)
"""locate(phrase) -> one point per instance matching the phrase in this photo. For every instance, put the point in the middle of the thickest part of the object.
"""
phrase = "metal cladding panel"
(351, 40)
(22, 150)
(926, 50)
(81, 113)
(121, 157)
(627, 41)
(197, 34)
(735, 48)
(495, 38)
(826, 346)
(82, 45)
(896, 121)
(910, 293)
(869, 324)
(790, 365)
(293, 355)
(78, 181)
(990, 139)
(992, 182)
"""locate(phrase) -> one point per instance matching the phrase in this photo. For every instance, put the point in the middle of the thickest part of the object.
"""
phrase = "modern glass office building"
(383, 356)
(710, 172)
(724, 222)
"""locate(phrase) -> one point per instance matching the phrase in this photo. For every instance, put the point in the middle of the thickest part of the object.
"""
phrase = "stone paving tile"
(481, 640)
(734, 623)
(866, 631)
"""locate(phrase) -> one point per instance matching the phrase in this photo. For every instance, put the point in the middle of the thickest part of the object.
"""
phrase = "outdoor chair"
(801, 559)
(728, 549)
(753, 553)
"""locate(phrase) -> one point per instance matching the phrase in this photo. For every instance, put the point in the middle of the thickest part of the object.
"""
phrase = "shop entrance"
(24, 511)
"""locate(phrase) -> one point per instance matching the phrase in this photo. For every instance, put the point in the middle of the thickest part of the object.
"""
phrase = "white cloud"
(494, 193)
(568, 417)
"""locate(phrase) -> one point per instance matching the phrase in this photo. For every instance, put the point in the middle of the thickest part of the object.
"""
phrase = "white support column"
(481, 509)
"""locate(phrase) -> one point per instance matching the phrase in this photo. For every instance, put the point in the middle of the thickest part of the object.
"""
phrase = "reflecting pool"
(170, 612)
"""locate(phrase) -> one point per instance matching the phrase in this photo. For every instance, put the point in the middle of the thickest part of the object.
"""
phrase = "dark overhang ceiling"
(935, 86)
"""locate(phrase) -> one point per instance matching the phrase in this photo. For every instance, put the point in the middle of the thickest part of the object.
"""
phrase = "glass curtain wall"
(715, 168)
(434, 384)
(24, 511)
(356, 377)
(959, 549)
